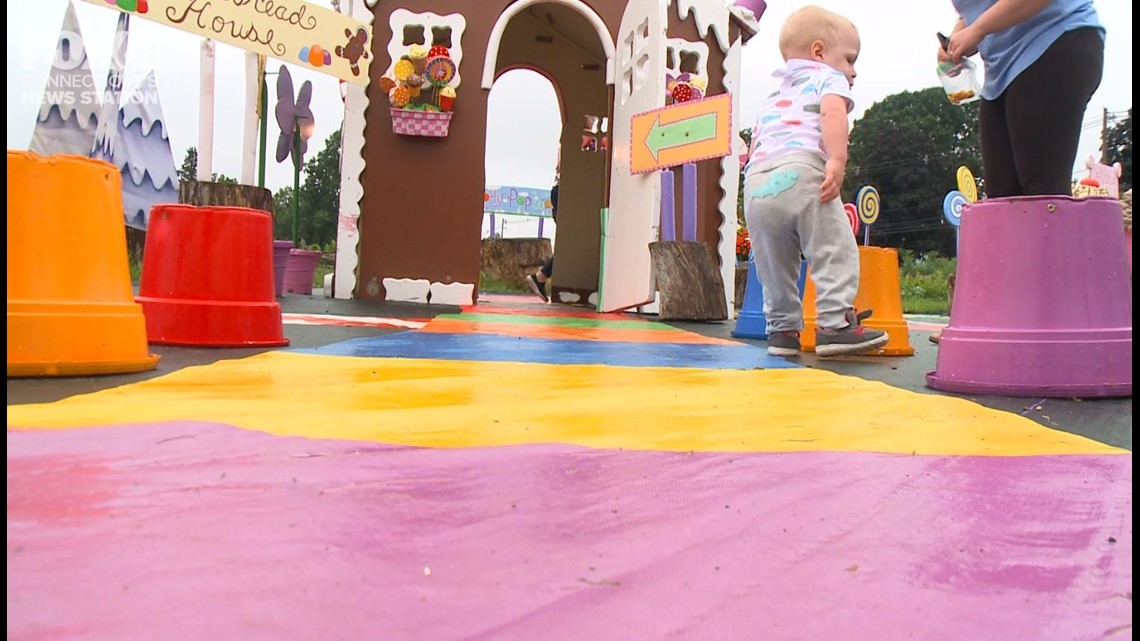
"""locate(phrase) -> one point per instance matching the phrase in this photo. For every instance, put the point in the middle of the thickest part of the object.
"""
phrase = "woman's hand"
(963, 43)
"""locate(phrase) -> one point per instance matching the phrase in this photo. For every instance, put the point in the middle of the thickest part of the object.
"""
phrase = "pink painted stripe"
(190, 531)
(350, 321)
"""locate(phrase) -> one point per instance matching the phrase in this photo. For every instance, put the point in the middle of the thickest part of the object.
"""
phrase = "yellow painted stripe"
(437, 403)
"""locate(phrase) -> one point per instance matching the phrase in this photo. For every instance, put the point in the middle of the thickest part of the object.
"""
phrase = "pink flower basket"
(409, 122)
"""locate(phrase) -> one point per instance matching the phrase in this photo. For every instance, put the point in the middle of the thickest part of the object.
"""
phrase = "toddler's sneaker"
(784, 344)
(852, 339)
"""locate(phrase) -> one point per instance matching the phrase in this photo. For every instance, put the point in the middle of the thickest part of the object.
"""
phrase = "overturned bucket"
(1042, 303)
(208, 278)
(71, 311)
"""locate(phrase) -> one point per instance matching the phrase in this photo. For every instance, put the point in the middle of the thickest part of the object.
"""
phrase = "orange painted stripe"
(524, 330)
(549, 310)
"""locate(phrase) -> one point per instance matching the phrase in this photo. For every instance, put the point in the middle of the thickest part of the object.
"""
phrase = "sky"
(898, 54)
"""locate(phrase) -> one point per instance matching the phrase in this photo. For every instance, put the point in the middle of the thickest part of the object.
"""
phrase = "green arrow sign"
(683, 132)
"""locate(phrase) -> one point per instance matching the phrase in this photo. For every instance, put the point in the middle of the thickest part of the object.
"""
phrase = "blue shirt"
(1007, 53)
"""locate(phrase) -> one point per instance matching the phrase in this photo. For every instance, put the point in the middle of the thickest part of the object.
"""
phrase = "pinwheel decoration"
(295, 119)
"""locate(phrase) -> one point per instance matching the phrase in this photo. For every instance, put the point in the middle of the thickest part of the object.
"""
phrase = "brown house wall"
(422, 209)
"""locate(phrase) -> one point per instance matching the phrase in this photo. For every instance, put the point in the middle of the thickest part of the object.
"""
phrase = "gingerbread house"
(415, 138)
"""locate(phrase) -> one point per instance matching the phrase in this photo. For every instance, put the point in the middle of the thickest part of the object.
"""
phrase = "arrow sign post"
(681, 133)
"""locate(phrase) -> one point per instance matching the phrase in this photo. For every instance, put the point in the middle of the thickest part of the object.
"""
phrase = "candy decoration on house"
(420, 91)
(867, 200)
(684, 87)
(69, 110)
(295, 119)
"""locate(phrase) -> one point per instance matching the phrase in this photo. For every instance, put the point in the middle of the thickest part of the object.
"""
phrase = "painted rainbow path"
(528, 474)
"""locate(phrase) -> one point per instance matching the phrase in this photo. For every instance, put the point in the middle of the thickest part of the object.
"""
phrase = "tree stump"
(688, 281)
(208, 194)
(741, 285)
(508, 260)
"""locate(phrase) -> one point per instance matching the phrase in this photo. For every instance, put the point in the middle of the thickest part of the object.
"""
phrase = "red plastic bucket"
(207, 278)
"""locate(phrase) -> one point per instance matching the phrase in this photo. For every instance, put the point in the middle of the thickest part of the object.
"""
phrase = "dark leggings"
(1031, 132)
(548, 267)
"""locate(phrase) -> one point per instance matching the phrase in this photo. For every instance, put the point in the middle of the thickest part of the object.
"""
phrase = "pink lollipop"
(852, 217)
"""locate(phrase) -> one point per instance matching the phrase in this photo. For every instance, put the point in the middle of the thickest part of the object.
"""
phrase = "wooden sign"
(681, 133)
(294, 31)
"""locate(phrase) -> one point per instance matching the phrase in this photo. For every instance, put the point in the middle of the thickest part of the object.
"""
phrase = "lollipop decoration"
(967, 186)
(421, 91)
(952, 207)
(852, 217)
(867, 202)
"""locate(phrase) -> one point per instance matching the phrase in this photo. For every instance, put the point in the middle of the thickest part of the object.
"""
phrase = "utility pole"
(1104, 136)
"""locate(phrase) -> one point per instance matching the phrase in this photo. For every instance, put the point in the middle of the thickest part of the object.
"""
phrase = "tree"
(1119, 144)
(189, 170)
(909, 147)
(283, 213)
(320, 195)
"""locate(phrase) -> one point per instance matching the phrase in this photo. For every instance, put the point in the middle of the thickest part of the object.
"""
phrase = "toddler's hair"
(807, 25)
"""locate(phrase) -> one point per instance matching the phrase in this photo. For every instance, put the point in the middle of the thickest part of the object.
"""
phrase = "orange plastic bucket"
(71, 311)
(879, 290)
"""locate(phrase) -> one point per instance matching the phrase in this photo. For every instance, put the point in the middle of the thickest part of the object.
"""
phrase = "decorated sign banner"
(681, 133)
(293, 31)
(519, 201)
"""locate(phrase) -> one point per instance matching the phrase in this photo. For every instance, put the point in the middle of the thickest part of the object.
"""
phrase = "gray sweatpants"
(785, 219)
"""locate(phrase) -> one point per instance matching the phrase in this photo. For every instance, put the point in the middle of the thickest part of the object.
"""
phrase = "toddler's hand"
(832, 180)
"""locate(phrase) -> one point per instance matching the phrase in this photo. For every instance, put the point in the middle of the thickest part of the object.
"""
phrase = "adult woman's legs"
(1031, 132)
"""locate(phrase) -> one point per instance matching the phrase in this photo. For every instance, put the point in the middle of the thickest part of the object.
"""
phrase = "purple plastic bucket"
(300, 270)
(280, 262)
(1042, 303)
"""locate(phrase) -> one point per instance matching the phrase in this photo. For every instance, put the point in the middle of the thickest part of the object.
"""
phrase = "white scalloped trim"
(407, 290)
(352, 168)
(730, 178)
(452, 294)
(709, 14)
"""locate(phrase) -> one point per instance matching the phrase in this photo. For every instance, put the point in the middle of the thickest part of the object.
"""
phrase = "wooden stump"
(207, 194)
(509, 260)
(689, 281)
(741, 286)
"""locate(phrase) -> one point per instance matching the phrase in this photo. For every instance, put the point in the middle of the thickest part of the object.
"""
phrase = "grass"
(324, 268)
(492, 285)
(924, 281)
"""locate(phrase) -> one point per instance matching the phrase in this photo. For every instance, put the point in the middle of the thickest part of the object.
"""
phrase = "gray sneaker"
(852, 339)
(784, 344)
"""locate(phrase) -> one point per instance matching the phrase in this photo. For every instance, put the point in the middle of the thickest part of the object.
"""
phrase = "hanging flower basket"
(415, 122)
